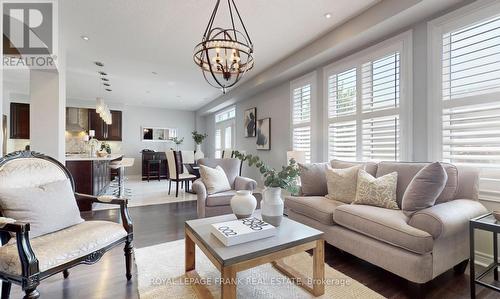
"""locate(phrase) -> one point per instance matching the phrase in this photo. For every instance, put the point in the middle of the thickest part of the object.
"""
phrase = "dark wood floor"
(162, 223)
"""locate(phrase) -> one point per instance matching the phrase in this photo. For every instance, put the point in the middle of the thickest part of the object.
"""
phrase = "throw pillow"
(313, 179)
(379, 192)
(215, 179)
(342, 183)
(424, 188)
(47, 208)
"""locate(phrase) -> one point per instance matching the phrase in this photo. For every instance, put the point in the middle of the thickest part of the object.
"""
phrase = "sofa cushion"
(342, 183)
(370, 167)
(407, 170)
(63, 246)
(424, 189)
(390, 226)
(318, 208)
(47, 208)
(313, 179)
(220, 199)
(451, 188)
(380, 192)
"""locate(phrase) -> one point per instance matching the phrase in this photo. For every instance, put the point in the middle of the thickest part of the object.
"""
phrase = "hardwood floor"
(163, 223)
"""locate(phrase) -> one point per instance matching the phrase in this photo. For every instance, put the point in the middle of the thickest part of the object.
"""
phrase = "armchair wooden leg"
(169, 186)
(65, 273)
(176, 188)
(32, 294)
(460, 268)
(129, 251)
(6, 289)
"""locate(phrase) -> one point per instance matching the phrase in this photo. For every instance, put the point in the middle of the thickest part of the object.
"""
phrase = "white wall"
(134, 118)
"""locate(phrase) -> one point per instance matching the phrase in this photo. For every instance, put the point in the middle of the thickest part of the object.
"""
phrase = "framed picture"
(264, 134)
(250, 122)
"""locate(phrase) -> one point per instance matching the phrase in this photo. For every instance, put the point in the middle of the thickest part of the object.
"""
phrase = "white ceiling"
(134, 38)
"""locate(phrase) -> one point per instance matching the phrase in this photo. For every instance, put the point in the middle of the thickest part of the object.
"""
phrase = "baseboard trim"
(483, 259)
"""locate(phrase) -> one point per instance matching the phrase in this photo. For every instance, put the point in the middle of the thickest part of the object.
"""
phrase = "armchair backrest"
(231, 167)
(30, 169)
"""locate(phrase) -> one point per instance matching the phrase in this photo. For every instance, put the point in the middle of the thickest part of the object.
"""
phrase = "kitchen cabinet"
(104, 132)
(19, 121)
(91, 176)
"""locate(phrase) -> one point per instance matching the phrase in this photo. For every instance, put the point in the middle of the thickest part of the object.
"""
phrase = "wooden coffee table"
(292, 238)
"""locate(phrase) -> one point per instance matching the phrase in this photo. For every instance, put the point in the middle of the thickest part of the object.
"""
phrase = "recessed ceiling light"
(85, 38)
(147, 91)
(328, 15)
(102, 73)
(106, 84)
(98, 63)
(154, 73)
(105, 79)
(107, 89)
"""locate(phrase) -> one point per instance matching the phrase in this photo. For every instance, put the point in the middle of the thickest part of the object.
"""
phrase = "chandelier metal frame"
(224, 55)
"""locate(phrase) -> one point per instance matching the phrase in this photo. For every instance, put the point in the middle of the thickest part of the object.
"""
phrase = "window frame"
(309, 78)
(223, 125)
(468, 15)
(401, 43)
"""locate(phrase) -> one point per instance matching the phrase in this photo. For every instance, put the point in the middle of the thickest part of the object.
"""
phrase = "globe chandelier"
(225, 55)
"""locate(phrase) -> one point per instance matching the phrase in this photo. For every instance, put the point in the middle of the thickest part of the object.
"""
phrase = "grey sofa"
(219, 203)
(417, 248)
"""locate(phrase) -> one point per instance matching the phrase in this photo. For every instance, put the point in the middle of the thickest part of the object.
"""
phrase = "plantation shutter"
(341, 92)
(471, 101)
(380, 95)
(301, 119)
(364, 124)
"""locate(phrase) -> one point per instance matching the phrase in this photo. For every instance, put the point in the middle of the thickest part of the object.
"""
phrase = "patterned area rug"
(161, 275)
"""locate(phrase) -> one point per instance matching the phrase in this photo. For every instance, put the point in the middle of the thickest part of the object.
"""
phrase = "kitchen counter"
(84, 157)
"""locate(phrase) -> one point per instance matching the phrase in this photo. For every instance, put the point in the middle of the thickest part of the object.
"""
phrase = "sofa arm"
(242, 183)
(447, 218)
(201, 193)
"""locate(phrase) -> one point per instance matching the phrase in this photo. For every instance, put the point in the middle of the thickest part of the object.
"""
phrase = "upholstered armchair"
(27, 260)
(219, 203)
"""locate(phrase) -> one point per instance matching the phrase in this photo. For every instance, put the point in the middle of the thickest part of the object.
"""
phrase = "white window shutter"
(301, 119)
(471, 101)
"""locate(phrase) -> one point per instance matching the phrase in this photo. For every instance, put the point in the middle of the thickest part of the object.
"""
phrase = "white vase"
(243, 204)
(272, 206)
(198, 154)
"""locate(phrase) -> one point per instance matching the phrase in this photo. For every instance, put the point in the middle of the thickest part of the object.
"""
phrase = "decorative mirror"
(158, 134)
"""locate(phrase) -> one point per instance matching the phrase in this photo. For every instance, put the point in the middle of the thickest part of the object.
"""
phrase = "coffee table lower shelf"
(228, 273)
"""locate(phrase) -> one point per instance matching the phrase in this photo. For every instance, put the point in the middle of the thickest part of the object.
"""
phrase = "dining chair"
(175, 167)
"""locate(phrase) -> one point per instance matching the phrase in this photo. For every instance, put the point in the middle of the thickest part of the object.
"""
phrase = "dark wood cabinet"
(154, 156)
(19, 121)
(115, 129)
(103, 131)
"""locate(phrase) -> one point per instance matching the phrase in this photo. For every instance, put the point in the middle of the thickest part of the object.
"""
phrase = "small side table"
(487, 223)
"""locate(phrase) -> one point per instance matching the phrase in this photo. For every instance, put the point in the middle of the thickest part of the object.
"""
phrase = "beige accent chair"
(219, 203)
(417, 248)
(27, 261)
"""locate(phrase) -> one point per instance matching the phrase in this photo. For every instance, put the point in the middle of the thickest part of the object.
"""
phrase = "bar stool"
(156, 171)
(120, 167)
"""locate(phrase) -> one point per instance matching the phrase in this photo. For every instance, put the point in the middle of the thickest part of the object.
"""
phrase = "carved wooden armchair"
(27, 261)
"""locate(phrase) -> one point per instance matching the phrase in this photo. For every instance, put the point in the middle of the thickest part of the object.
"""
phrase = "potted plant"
(198, 139)
(178, 142)
(275, 181)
